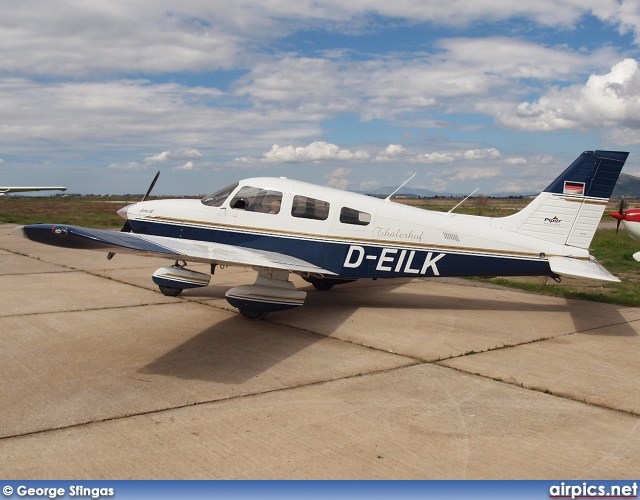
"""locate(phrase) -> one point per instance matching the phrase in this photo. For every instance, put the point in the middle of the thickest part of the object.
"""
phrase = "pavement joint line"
(37, 272)
(548, 392)
(201, 403)
(49, 313)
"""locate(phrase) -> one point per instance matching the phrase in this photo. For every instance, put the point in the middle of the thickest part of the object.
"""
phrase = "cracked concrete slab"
(99, 367)
(421, 422)
(599, 366)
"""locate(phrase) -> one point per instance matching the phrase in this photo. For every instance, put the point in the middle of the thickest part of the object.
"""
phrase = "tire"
(170, 291)
(252, 314)
(321, 284)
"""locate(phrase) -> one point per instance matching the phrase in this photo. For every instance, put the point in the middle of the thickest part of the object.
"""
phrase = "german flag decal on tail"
(575, 188)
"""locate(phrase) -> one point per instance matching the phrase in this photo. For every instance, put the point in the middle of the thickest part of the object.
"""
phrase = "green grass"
(612, 250)
(78, 211)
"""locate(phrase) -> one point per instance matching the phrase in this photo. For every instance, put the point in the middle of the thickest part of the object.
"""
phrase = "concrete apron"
(384, 379)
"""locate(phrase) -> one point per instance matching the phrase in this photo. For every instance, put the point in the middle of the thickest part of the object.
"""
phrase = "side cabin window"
(353, 216)
(219, 197)
(309, 208)
(252, 199)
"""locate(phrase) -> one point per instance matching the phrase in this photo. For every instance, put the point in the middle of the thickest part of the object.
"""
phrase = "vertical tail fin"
(569, 210)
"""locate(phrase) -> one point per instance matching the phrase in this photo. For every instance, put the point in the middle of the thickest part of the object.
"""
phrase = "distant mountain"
(627, 186)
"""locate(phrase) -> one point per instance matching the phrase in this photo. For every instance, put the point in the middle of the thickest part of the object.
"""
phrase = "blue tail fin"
(593, 174)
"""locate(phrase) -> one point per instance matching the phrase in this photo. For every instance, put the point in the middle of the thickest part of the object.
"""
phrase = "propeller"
(619, 215)
(620, 211)
(126, 227)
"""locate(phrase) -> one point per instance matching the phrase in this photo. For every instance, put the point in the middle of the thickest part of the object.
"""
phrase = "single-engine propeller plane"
(630, 219)
(279, 226)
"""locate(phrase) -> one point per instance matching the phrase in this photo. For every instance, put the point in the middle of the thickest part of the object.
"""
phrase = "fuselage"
(351, 235)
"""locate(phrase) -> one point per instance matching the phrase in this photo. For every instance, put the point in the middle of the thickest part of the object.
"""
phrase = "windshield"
(218, 198)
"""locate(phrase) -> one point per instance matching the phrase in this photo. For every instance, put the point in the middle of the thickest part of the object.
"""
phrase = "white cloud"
(476, 173)
(516, 160)
(438, 185)
(391, 152)
(80, 77)
(435, 158)
(603, 101)
(367, 186)
(165, 156)
(128, 166)
(158, 36)
(338, 178)
(395, 152)
(187, 166)
(513, 187)
(479, 154)
(314, 152)
(137, 112)
(159, 158)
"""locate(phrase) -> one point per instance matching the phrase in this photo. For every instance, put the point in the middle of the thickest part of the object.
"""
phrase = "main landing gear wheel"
(170, 291)
(253, 314)
(321, 284)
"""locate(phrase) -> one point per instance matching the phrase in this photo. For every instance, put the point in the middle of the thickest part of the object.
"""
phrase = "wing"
(4, 190)
(159, 246)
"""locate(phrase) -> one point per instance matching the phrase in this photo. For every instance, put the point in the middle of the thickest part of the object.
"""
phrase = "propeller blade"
(153, 183)
(126, 227)
(618, 225)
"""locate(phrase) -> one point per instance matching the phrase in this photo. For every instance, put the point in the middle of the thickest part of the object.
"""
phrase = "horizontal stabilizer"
(568, 266)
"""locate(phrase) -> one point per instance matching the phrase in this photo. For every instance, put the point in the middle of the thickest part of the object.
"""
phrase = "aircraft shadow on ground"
(340, 303)
(232, 351)
(236, 350)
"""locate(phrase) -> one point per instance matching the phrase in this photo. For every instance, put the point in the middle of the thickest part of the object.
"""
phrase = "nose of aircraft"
(124, 211)
(615, 215)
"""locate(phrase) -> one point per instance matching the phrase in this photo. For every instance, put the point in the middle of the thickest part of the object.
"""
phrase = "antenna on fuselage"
(463, 201)
(388, 198)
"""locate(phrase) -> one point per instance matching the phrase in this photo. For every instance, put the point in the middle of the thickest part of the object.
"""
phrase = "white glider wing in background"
(5, 190)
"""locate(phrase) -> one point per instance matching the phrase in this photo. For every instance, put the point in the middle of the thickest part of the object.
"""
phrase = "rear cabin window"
(309, 208)
(353, 216)
(252, 199)
(219, 197)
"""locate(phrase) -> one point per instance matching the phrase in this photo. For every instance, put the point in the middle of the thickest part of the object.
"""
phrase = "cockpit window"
(252, 199)
(218, 198)
(353, 216)
(310, 208)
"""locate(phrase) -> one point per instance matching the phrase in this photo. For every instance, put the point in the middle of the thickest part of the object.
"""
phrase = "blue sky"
(495, 95)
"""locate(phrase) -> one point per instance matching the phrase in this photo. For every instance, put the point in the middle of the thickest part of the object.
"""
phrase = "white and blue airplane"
(279, 226)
